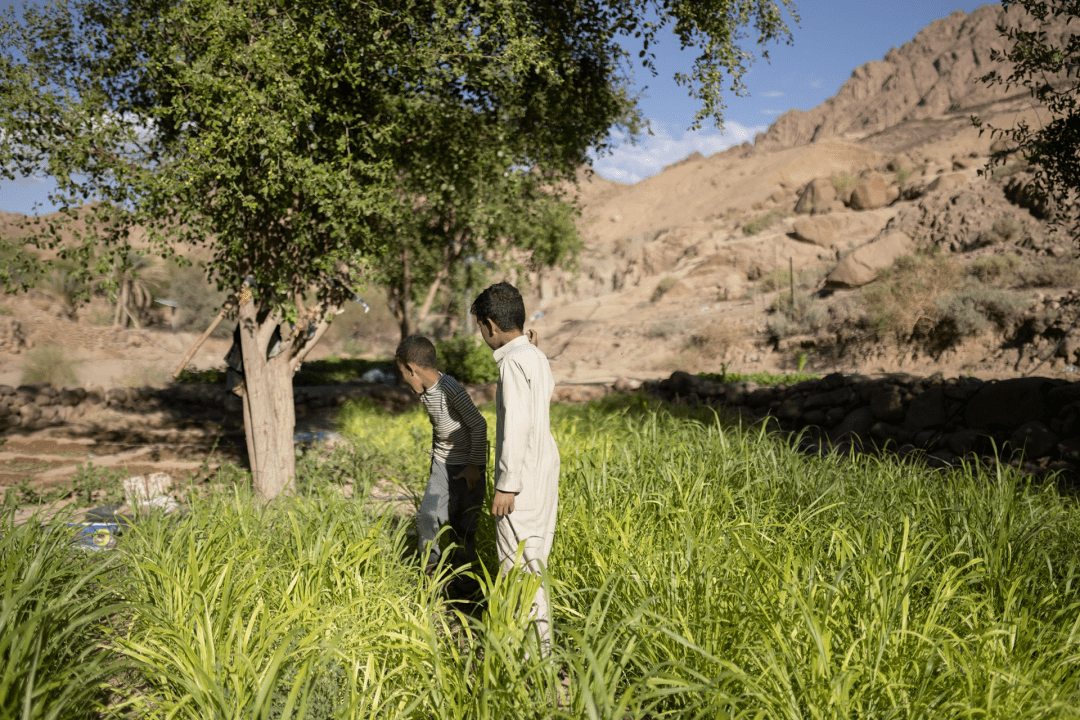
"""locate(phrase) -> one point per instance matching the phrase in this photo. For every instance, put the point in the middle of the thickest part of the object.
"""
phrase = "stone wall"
(40, 405)
(1034, 421)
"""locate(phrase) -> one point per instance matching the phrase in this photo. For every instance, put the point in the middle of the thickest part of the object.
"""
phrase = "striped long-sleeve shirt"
(459, 431)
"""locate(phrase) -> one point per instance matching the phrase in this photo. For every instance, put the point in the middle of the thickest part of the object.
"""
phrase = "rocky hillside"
(936, 75)
(858, 236)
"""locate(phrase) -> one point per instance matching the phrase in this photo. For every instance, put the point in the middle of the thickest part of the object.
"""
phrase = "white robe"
(526, 463)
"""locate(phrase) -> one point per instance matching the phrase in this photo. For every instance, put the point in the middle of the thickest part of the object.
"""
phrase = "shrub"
(191, 376)
(902, 175)
(843, 182)
(993, 268)
(763, 221)
(1007, 228)
(467, 359)
(50, 364)
(973, 307)
(662, 287)
(1049, 272)
(908, 291)
(806, 315)
(198, 300)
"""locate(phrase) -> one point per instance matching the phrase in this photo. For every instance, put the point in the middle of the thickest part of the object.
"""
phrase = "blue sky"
(832, 39)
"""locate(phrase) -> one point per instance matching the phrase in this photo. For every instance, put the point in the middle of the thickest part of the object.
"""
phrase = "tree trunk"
(402, 312)
(121, 301)
(269, 413)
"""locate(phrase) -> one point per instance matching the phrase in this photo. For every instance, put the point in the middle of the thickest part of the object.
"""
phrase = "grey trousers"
(448, 501)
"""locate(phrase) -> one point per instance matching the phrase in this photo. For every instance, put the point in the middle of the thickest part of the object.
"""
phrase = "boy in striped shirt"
(455, 487)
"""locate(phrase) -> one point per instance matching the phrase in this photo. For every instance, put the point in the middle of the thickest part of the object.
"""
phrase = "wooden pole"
(198, 343)
(791, 279)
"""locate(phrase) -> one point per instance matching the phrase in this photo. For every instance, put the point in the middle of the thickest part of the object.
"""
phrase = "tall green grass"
(55, 606)
(699, 571)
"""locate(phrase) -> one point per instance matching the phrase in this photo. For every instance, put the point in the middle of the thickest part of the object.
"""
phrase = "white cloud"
(633, 163)
(770, 112)
(28, 181)
(772, 94)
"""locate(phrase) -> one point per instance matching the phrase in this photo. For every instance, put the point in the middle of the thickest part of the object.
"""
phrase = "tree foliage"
(293, 140)
(1043, 57)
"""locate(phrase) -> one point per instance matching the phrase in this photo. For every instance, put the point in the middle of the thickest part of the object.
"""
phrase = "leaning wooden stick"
(198, 343)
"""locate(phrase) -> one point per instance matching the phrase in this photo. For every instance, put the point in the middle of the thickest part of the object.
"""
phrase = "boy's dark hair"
(502, 304)
(419, 351)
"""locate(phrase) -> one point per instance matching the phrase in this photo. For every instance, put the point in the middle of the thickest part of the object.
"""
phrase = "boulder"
(821, 230)
(927, 410)
(1034, 439)
(29, 413)
(900, 162)
(887, 404)
(816, 196)
(964, 442)
(870, 193)
(946, 182)
(863, 264)
(857, 423)
(1007, 404)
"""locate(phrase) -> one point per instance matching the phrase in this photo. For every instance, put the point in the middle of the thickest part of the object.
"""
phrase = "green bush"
(338, 370)
(1049, 272)
(191, 376)
(993, 268)
(49, 363)
(805, 316)
(467, 359)
(763, 221)
(760, 378)
(662, 287)
(971, 309)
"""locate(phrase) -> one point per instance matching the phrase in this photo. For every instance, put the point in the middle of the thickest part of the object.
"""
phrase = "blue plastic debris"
(375, 375)
(95, 535)
(316, 436)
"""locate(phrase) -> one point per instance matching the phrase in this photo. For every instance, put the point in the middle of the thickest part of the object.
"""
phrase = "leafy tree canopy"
(1042, 56)
(292, 140)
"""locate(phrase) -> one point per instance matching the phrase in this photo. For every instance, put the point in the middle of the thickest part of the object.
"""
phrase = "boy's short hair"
(502, 304)
(419, 351)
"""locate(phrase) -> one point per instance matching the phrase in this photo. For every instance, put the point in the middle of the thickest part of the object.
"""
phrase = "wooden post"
(198, 343)
(791, 279)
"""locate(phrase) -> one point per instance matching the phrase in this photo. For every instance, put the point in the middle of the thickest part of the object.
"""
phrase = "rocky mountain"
(935, 75)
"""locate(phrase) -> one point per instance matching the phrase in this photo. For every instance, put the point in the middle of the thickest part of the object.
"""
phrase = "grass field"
(699, 571)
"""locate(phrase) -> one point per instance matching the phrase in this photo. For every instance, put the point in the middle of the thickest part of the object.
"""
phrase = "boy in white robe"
(526, 495)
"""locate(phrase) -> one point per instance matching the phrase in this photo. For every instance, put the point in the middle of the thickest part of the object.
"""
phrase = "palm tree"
(135, 277)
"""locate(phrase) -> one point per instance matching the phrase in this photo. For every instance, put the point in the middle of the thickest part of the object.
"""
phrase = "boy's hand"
(503, 504)
(472, 476)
